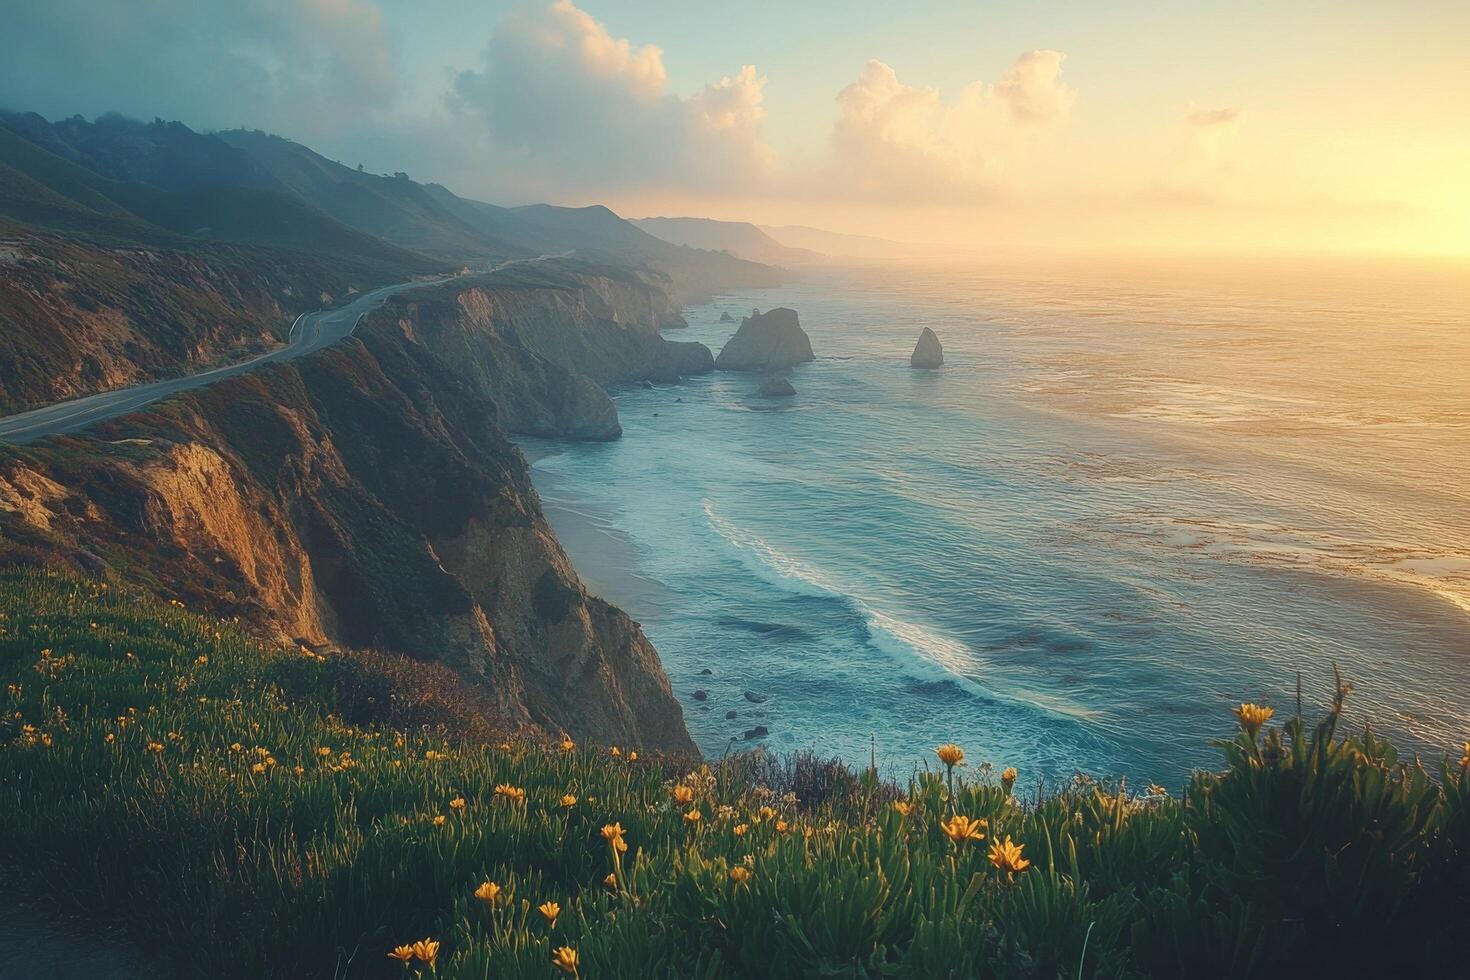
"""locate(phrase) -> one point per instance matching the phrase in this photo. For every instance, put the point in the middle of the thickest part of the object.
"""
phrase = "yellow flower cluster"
(425, 951)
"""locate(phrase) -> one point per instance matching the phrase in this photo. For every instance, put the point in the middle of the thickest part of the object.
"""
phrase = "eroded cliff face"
(366, 496)
(78, 318)
(548, 340)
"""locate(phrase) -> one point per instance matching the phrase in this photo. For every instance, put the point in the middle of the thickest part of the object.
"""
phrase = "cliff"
(367, 496)
(547, 340)
(79, 317)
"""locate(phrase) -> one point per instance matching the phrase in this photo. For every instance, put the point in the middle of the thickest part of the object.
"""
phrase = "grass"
(257, 812)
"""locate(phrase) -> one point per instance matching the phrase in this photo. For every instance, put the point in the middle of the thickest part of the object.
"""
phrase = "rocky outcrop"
(770, 341)
(777, 387)
(726, 317)
(364, 497)
(928, 352)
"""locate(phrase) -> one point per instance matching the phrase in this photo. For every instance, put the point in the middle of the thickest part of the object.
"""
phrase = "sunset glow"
(1301, 126)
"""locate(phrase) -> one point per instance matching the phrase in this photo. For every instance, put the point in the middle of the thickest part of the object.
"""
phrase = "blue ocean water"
(1132, 497)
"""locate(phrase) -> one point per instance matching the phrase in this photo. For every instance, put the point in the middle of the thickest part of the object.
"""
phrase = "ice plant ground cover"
(250, 814)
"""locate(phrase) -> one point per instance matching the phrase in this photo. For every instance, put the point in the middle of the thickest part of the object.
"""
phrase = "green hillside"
(77, 200)
(259, 812)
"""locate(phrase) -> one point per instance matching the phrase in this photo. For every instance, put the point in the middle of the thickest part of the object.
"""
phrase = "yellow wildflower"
(904, 807)
(323, 751)
(740, 874)
(550, 910)
(693, 816)
(1253, 716)
(567, 745)
(1007, 856)
(632, 756)
(569, 800)
(401, 953)
(487, 892)
(739, 829)
(1465, 758)
(439, 820)
(613, 834)
(258, 768)
(512, 793)
(237, 747)
(611, 881)
(426, 950)
(155, 747)
(782, 826)
(683, 794)
(564, 958)
(109, 737)
(950, 754)
(961, 829)
(614, 751)
(767, 813)
(1008, 778)
(457, 803)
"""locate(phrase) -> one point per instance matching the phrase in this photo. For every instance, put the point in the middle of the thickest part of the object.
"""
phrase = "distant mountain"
(739, 238)
(40, 188)
(396, 209)
(838, 244)
(124, 179)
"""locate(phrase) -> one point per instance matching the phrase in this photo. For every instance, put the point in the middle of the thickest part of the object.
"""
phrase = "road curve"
(310, 332)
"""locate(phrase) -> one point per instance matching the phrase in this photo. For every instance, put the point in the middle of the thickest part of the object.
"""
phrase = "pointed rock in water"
(928, 352)
(701, 695)
(755, 698)
(777, 388)
(726, 317)
(766, 342)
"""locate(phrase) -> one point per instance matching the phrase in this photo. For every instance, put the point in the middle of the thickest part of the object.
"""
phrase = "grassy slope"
(257, 812)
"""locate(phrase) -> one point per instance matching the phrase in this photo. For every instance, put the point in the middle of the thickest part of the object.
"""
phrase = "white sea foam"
(924, 653)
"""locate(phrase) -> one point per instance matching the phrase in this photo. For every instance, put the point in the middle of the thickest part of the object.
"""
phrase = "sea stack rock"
(777, 387)
(726, 317)
(928, 352)
(771, 341)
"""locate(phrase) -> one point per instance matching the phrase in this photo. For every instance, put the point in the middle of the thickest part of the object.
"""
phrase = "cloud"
(900, 142)
(1211, 118)
(558, 92)
(1213, 135)
(284, 64)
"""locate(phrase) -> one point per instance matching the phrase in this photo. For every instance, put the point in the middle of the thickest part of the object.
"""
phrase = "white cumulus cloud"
(557, 90)
(903, 142)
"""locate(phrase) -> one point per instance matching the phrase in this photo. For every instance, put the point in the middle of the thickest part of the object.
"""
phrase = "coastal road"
(310, 332)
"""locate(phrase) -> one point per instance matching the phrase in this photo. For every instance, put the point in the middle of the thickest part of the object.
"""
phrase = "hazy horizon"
(1303, 128)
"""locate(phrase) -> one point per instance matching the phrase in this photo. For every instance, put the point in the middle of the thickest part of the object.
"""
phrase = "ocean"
(1136, 494)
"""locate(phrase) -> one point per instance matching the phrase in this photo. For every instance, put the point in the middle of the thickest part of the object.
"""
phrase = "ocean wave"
(926, 655)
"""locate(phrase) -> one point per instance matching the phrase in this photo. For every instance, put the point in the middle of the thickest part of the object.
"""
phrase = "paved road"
(310, 332)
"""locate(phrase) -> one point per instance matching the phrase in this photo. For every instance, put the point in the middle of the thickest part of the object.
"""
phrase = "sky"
(1294, 125)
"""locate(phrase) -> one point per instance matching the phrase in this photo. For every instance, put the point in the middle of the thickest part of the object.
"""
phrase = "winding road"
(310, 332)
